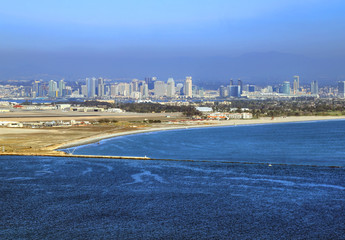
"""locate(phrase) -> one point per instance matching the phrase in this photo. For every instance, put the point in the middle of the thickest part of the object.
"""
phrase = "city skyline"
(153, 88)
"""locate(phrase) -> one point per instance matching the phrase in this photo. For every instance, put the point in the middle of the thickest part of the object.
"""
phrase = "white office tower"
(295, 84)
(160, 89)
(135, 85)
(62, 87)
(314, 88)
(188, 90)
(124, 89)
(91, 87)
(87, 84)
(84, 90)
(341, 89)
(100, 88)
(114, 90)
(144, 90)
(52, 88)
(35, 87)
(171, 88)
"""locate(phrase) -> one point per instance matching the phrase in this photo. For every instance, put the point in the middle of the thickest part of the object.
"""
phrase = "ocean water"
(77, 198)
(209, 198)
(319, 143)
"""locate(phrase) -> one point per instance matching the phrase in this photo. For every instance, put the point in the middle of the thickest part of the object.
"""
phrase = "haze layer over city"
(260, 42)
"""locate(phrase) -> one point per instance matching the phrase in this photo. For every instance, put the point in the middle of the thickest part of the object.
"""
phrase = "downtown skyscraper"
(188, 90)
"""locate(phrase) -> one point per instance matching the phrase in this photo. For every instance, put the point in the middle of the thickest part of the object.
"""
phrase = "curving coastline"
(166, 127)
(49, 142)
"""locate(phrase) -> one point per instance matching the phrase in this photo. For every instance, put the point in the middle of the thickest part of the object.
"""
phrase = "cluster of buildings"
(144, 89)
(101, 88)
(228, 116)
(6, 106)
(152, 88)
(286, 89)
(42, 124)
(341, 89)
(235, 113)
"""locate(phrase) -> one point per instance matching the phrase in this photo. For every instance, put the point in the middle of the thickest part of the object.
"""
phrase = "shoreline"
(212, 123)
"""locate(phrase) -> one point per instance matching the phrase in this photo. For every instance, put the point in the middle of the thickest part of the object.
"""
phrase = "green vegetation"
(152, 121)
(106, 120)
(157, 108)
(188, 111)
(259, 108)
(292, 107)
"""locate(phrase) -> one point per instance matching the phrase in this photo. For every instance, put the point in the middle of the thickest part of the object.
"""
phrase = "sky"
(135, 38)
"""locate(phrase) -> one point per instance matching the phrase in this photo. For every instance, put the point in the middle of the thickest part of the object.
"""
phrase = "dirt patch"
(45, 140)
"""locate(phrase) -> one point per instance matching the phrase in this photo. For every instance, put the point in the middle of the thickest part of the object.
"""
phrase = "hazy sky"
(150, 29)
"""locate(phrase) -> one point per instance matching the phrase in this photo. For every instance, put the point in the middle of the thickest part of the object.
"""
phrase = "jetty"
(74, 156)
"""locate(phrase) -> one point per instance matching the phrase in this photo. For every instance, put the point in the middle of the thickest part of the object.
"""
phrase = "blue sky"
(212, 27)
(175, 28)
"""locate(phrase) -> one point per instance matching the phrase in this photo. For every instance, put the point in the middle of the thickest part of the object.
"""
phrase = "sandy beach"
(200, 124)
(48, 141)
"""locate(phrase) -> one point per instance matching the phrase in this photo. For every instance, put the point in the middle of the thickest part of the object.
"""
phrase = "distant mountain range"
(254, 68)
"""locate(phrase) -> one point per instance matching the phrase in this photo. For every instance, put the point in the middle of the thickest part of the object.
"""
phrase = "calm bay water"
(74, 198)
(77, 198)
(308, 143)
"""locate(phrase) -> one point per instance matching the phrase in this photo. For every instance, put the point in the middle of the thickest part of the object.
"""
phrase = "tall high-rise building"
(240, 85)
(124, 89)
(114, 90)
(223, 91)
(285, 89)
(295, 84)
(144, 90)
(171, 88)
(135, 85)
(341, 89)
(84, 90)
(160, 89)
(234, 91)
(87, 84)
(91, 87)
(231, 82)
(43, 89)
(62, 87)
(251, 88)
(314, 87)
(150, 81)
(52, 88)
(188, 90)
(35, 88)
(100, 87)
